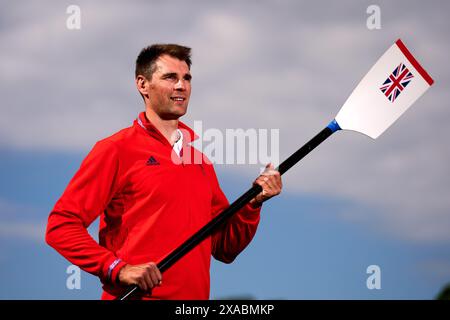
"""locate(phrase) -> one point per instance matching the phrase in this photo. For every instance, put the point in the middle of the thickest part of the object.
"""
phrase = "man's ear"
(142, 85)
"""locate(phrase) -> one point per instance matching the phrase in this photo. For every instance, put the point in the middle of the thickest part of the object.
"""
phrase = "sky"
(289, 66)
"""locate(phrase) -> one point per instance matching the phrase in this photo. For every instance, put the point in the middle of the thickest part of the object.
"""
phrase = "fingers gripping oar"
(390, 87)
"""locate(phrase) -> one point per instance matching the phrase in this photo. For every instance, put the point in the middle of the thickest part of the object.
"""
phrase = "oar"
(390, 87)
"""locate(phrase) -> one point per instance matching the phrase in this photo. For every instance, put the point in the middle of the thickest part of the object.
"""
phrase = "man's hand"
(146, 275)
(270, 181)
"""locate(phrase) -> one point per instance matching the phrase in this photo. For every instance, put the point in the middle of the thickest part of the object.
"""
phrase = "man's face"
(169, 88)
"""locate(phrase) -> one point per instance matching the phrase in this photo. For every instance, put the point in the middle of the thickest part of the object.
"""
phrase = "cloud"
(22, 230)
(19, 222)
(24, 222)
(288, 66)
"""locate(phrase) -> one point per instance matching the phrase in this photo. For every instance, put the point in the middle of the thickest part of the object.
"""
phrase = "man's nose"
(180, 85)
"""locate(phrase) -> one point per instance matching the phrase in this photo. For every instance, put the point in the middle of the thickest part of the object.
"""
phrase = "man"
(151, 192)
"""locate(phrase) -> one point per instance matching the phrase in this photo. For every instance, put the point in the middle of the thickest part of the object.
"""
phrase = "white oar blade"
(393, 84)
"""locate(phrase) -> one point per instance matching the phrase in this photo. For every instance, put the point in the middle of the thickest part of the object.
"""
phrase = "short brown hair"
(145, 62)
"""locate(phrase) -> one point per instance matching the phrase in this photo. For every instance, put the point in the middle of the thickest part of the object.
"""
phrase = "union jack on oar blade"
(396, 82)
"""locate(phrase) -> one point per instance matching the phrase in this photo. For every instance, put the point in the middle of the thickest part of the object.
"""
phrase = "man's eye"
(171, 77)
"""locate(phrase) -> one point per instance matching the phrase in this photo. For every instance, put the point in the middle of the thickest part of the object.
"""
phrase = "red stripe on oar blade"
(414, 62)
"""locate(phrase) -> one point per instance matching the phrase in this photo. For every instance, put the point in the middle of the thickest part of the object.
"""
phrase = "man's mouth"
(178, 99)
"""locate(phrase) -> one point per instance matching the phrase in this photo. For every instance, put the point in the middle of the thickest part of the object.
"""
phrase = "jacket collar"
(143, 122)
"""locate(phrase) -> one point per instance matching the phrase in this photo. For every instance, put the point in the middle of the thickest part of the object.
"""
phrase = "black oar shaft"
(209, 228)
(303, 151)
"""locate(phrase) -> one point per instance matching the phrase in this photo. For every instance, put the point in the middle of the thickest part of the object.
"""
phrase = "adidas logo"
(152, 161)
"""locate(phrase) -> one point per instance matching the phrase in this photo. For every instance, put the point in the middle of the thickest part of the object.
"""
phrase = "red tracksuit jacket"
(148, 205)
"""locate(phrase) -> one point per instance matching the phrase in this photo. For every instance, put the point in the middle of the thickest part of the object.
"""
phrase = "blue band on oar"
(334, 126)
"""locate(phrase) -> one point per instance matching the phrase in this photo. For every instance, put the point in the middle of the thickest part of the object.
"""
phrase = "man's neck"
(166, 127)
